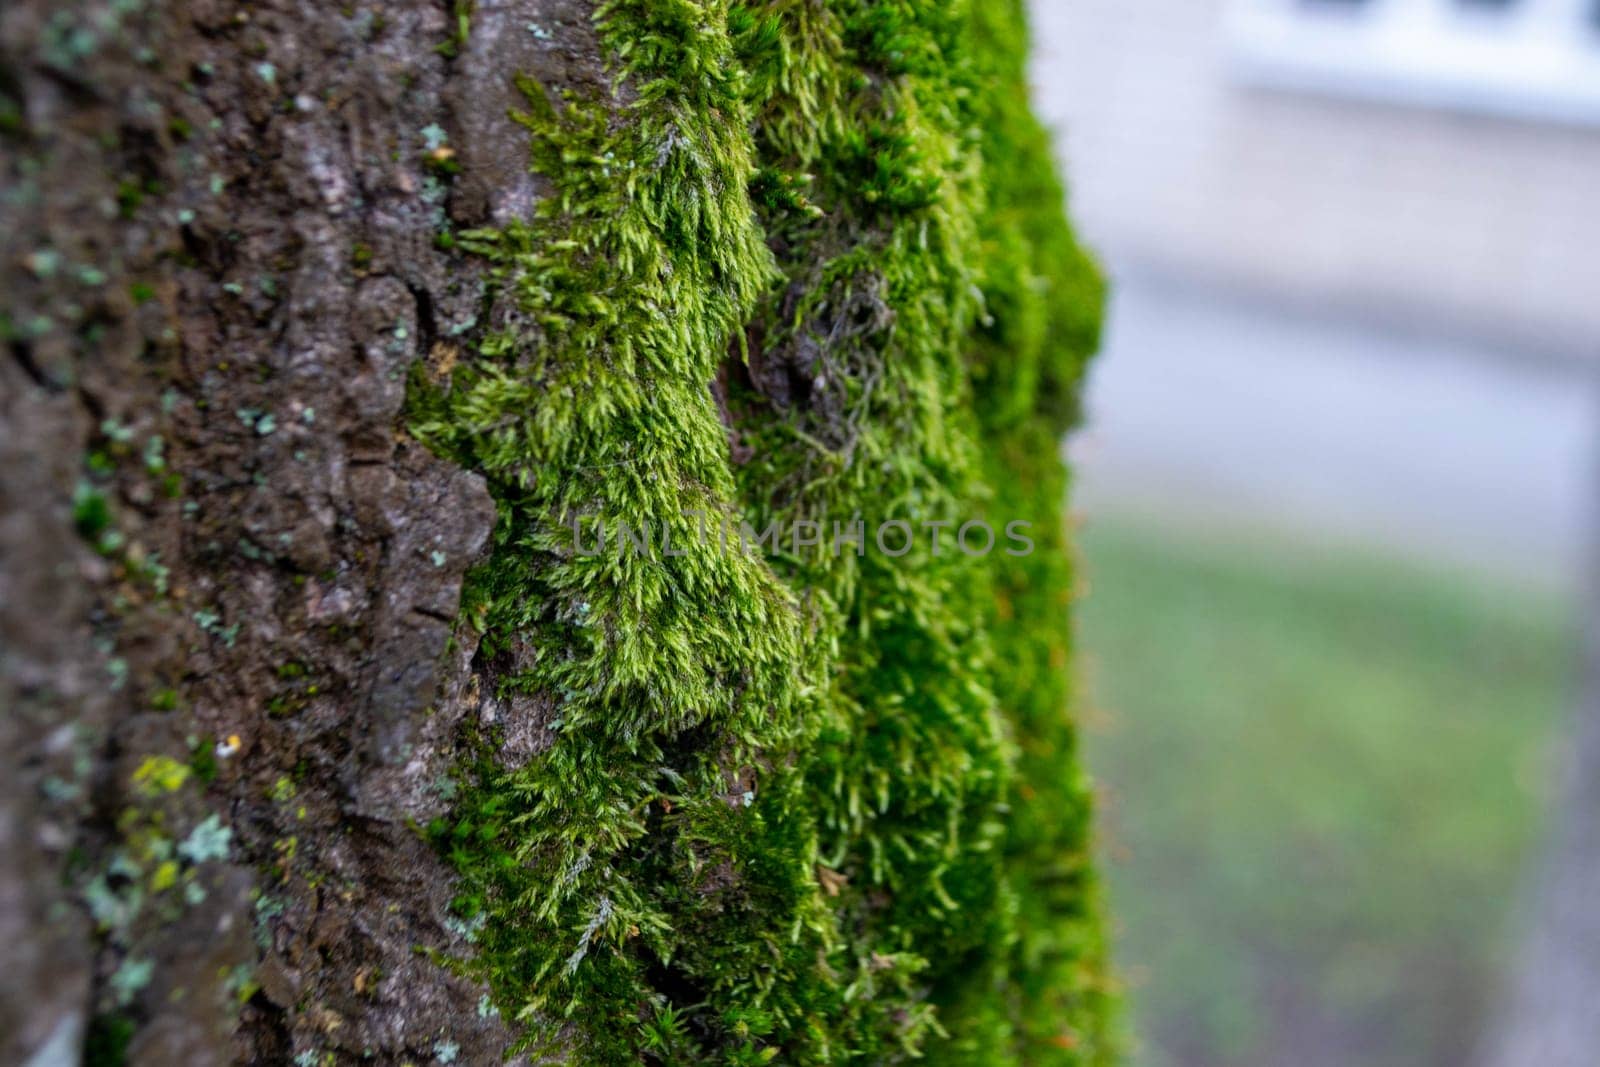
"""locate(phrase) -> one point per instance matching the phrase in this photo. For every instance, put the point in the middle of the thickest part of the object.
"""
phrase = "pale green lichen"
(129, 978)
(207, 841)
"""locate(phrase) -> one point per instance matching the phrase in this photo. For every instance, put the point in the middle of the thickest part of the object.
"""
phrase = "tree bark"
(220, 263)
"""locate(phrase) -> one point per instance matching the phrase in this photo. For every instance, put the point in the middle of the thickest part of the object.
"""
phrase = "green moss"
(821, 807)
(461, 11)
(91, 512)
(203, 759)
(1042, 302)
(106, 1043)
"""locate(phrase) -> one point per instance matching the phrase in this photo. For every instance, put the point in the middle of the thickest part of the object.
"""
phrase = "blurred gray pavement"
(1216, 409)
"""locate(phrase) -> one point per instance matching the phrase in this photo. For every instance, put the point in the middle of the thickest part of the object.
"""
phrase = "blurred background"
(1337, 489)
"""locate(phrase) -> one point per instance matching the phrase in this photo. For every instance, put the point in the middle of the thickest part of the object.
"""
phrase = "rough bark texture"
(220, 263)
(238, 242)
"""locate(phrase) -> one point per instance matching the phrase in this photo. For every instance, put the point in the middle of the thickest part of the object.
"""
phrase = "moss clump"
(820, 807)
(106, 1042)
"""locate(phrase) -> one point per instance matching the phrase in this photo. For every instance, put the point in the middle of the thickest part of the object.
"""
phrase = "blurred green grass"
(1322, 779)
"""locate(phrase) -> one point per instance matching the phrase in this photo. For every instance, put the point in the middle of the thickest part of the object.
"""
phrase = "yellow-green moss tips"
(803, 809)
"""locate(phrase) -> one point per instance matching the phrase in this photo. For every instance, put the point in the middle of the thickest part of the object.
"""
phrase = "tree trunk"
(332, 332)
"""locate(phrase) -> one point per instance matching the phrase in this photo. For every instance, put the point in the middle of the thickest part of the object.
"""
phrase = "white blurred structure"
(1356, 254)
(1523, 59)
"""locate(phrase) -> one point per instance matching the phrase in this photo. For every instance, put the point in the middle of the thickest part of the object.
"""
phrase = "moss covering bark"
(804, 264)
(301, 773)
